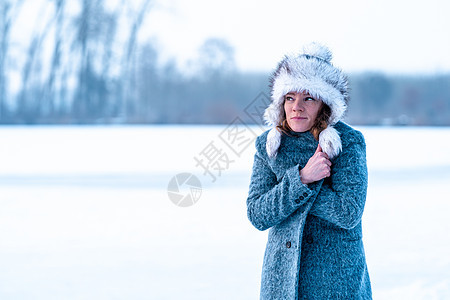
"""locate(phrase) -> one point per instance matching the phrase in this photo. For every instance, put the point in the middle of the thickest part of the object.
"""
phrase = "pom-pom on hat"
(309, 71)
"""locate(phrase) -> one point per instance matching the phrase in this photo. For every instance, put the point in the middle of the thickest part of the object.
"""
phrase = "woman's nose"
(298, 106)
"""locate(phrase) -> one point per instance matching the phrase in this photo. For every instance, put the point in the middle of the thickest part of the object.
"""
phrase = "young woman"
(309, 185)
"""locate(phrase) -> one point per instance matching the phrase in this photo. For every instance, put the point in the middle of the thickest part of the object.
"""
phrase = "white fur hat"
(310, 71)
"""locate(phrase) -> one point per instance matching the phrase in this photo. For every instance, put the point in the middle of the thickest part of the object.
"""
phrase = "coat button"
(305, 194)
(301, 198)
(288, 245)
(297, 201)
(309, 239)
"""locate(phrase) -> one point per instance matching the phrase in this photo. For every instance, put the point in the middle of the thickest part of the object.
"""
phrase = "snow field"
(85, 214)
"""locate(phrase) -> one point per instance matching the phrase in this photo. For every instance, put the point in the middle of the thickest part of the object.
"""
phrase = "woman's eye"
(288, 98)
(310, 99)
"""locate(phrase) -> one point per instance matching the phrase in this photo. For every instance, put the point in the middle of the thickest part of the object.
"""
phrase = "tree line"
(89, 67)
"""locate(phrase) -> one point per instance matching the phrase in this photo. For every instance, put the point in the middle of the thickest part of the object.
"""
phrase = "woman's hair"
(320, 123)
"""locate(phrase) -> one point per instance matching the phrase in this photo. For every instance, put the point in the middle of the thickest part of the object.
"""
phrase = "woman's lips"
(298, 118)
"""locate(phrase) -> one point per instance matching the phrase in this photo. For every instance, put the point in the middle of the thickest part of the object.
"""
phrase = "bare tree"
(51, 93)
(8, 14)
(216, 58)
(96, 29)
(30, 96)
(129, 80)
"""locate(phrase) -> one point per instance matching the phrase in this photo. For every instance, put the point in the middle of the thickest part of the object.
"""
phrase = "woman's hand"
(317, 168)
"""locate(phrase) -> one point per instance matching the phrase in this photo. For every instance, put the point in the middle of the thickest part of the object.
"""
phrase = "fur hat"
(310, 71)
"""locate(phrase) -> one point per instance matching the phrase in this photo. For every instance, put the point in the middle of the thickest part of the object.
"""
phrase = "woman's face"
(301, 110)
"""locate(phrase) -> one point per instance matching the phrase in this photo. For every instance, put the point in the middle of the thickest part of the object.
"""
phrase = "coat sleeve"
(271, 201)
(342, 197)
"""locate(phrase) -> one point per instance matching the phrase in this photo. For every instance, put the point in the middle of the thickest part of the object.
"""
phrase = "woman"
(309, 185)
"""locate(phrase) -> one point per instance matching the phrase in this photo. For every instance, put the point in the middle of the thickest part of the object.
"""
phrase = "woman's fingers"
(317, 168)
(323, 165)
(319, 149)
(323, 158)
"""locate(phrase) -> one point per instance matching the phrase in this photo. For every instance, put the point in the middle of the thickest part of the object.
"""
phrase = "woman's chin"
(299, 125)
(299, 128)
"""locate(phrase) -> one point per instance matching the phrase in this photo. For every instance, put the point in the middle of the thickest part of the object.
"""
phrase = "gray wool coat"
(314, 248)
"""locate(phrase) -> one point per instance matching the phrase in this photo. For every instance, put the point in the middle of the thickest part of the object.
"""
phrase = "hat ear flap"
(273, 142)
(330, 141)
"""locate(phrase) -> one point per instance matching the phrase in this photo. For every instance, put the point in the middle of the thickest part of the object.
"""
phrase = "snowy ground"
(85, 214)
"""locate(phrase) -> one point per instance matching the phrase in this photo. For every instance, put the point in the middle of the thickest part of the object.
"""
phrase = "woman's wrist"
(302, 179)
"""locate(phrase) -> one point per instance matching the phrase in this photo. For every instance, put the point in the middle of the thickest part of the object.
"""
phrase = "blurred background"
(200, 62)
(159, 87)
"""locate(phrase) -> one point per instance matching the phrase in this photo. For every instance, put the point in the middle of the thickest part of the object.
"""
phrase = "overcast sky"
(393, 36)
(386, 35)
